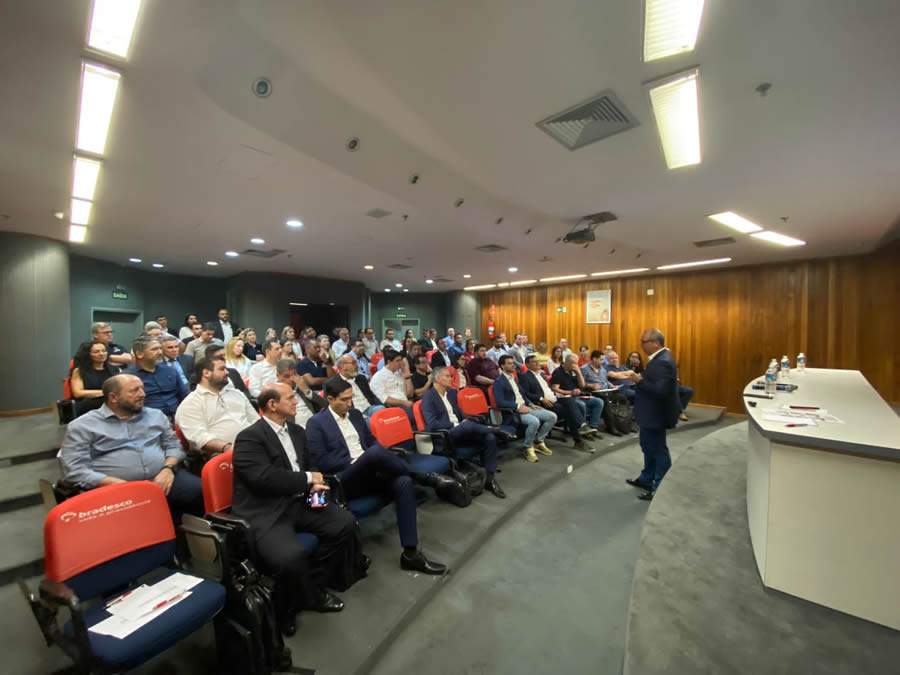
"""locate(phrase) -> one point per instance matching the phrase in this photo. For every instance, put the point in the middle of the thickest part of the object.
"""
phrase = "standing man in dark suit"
(273, 477)
(340, 443)
(225, 327)
(656, 408)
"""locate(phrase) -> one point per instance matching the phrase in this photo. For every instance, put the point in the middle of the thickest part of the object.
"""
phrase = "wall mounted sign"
(119, 293)
(599, 306)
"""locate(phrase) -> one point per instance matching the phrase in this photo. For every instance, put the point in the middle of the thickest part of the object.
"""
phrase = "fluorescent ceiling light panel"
(85, 181)
(615, 272)
(297, 304)
(503, 284)
(479, 288)
(99, 86)
(698, 263)
(565, 278)
(293, 222)
(735, 222)
(675, 108)
(670, 27)
(80, 212)
(77, 233)
(780, 239)
(523, 282)
(112, 26)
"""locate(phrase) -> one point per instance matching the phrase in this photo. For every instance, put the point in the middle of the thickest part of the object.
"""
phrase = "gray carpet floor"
(698, 605)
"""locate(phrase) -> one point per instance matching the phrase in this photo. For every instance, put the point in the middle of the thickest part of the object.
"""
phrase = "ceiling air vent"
(271, 253)
(378, 213)
(589, 121)
(722, 241)
(442, 280)
(400, 266)
(490, 248)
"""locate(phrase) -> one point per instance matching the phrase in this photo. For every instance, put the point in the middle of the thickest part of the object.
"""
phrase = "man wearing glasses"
(103, 332)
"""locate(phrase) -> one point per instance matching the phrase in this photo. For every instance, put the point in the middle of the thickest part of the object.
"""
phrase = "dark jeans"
(685, 394)
(572, 414)
(185, 496)
(380, 471)
(656, 456)
(480, 436)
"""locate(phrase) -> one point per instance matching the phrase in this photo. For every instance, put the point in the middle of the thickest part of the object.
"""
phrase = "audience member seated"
(340, 443)
(481, 371)
(326, 358)
(594, 373)
(370, 343)
(538, 393)
(196, 348)
(342, 345)
(442, 413)
(273, 478)
(163, 387)
(519, 350)
(392, 385)
(187, 330)
(584, 355)
(225, 328)
(308, 403)
(389, 341)
(555, 360)
(541, 354)
(413, 351)
(213, 414)
(469, 349)
(263, 372)
(429, 340)
(358, 352)
(458, 372)
(123, 441)
(450, 338)
(363, 398)
(442, 357)
(537, 420)
(499, 349)
(90, 369)
(196, 332)
(216, 348)
(635, 363)
(618, 375)
(234, 357)
(564, 346)
(116, 354)
(153, 329)
(291, 347)
(313, 367)
(172, 358)
(252, 349)
(457, 347)
(421, 379)
(567, 381)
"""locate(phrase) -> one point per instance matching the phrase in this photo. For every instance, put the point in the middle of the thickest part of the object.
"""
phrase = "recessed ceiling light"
(523, 282)
(698, 263)
(98, 96)
(467, 276)
(293, 222)
(566, 277)
(513, 269)
(80, 212)
(406, 290)
(735, 222)
(158, 266)
(399, 285)
(479, 288)
(232, 254)
(212, 263)
(387, 290)
(112, 26)
(134, 260)
(368, 267)
(59, 215)
(77, 233)
(331, 304)
(85, 181)
(780, 239)
(257, 240)
(429, 281)
(670, 27)
(614, 272)
(297, 304)
(674, 102)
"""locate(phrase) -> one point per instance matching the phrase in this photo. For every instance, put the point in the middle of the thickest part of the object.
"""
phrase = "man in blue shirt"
(163, 388)
(613, 370)
(457, 348)
(170, 352)
(358, 352)
(124, 441)
(312, 367)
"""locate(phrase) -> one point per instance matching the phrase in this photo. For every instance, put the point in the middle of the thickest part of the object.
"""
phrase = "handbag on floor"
(475, 476)
(454, 488)
(621, 414)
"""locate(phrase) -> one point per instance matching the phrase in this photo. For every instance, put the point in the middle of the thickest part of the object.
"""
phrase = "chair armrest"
(58, 594)
(403, 452)
(226, 519)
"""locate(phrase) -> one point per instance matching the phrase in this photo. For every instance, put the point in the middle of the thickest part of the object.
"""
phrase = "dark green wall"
(429, 308)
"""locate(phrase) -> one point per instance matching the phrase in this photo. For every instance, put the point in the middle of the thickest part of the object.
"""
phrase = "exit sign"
(400, 316)
(120, 295)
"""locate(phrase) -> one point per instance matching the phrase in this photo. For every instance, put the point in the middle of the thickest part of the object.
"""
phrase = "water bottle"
(772, 377)
(801, 362)
(785, 367)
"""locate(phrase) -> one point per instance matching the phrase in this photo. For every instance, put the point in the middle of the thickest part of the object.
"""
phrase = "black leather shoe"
(646, 496)
(638, 483)
(580, 445)
(329, 603)
(288, 626)
(493, 486)
(417, 562)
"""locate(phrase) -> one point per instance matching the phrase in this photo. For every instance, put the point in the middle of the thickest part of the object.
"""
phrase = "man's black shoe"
(646, 496)
(288, 626)
(329, 602)
(417, 562)
(638, 483)
(494, 486)
(580, 445)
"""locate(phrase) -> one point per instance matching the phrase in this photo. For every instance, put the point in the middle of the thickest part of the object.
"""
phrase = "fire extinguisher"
(490, 324)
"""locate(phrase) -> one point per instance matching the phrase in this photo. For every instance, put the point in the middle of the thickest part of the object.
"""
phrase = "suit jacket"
(656, 404)
(437, 360)
(530, 388)
(327, 446)
(364, 387)
(218, 332)
(235, 377)
(187, 365)
(265, 484)
(435, 413)
(505, 398)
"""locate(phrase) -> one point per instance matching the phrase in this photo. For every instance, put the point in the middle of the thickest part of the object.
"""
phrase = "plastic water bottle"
(801, 362)
(785, 367)
(772, 377)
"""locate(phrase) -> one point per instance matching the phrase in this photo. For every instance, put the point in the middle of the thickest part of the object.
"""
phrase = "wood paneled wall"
(724, 325)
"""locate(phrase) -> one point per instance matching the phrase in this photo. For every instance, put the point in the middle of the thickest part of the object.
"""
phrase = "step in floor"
(28, 435)
(22, 534)
(19, 481)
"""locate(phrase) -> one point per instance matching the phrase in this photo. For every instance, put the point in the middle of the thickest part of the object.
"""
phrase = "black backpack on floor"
(621, 414)
(474, 475)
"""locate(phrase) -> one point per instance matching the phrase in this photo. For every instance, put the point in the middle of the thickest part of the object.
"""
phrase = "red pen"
(798, 425)
(167, 601)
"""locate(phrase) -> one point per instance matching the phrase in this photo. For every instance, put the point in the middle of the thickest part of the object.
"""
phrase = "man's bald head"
(124, 394)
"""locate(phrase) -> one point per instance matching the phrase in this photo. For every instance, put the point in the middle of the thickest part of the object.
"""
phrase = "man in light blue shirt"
(170, 351)
(124, 441)
(450, 338)
(358, 352)
(499, 349)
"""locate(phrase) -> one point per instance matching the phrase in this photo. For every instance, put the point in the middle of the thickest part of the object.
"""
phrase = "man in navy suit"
(341, 443)
(656, 408)
(442, 413)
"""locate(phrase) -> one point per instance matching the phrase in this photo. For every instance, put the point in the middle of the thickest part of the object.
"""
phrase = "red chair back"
(67, 389)
(376, 357)
(185, 445)
(100, 525)
(472, 401)
(419, 416)
(217, 478)
(429, 354)
(391, 426)
(491, 398)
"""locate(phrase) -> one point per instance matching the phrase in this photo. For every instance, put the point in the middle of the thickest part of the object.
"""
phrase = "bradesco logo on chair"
(101, 511)
(226, 466)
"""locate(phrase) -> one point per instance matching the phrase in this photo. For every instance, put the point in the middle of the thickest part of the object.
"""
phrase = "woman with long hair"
(185, 331)
(290, 344)
(555, 360)
(470, 350)
(252, 349)
(235, 358)
(90, 369)
(458, 372)
(635, 362)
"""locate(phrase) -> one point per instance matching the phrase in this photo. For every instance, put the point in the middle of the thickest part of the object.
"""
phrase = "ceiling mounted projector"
(583, 231)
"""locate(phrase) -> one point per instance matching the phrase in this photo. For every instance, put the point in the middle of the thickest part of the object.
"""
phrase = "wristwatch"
(171, 467)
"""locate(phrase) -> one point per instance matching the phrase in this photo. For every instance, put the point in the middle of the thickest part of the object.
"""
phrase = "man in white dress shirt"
(392, 385)
(263, 372)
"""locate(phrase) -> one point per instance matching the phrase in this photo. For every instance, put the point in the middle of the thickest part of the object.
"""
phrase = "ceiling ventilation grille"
(378, 213)
(490, 248)
(442, 280)
(589, 121)
(271, 253)
(400, 266)
(714, 242)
